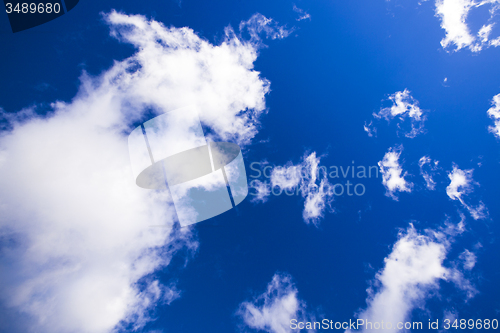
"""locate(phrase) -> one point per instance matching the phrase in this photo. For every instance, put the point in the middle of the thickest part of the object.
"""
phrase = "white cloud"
(462, 184)
(469, 259)
(412, 269)
(262, 191)
(370, 129)
(427, 169)
(392, 173)
(305, 178)
(494, 113)
(404, 106)
(78, 252)
(273, 310)
(454, 14)
(411, 272)
(184, 69)
(259, 24)
(303, 15)
(289, 176)
(457, 277)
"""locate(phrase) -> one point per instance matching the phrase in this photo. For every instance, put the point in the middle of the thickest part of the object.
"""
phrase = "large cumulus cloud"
(77, 250)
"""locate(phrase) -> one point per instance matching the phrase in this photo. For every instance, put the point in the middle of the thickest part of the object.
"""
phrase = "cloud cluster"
(272, 310)
(454, 14)
(462, 184)
(494, 113)
(78, 252)
(312, 184)
(404, 107)
(392, 173)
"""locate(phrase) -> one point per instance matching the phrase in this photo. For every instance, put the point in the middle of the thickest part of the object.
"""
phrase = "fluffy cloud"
(494, 113)
(78, 252)
(304, 177)
(412, 270)
(392, 173)
(427, 169)
(453, 15)
(404, 106)
(272, 310)
(462, 184)
(178, 68)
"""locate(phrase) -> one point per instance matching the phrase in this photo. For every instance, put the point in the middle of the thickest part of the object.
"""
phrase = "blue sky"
(297, 85)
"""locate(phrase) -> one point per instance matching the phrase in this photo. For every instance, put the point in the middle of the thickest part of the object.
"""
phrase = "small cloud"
(307, 179)
(302, 14)
(392, 173)
(494, 113)
(462, 184)
(370, 129)
(469, 259)
(273, 310)
(404, 107)
(262, 191)
(258, 24)
(427, 170)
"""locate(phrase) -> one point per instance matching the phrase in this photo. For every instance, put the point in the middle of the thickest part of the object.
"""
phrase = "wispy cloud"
(454, 14)
(494, 113)
(462, 184)
(403, 107)
(303, 15)
(259, 24)
(427, 170)
(262, 191)
(79, 253)
(370, 129)
(273, 310)
(393, 177)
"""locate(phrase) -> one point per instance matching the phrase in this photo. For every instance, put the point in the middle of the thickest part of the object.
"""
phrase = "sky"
(370, 134)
